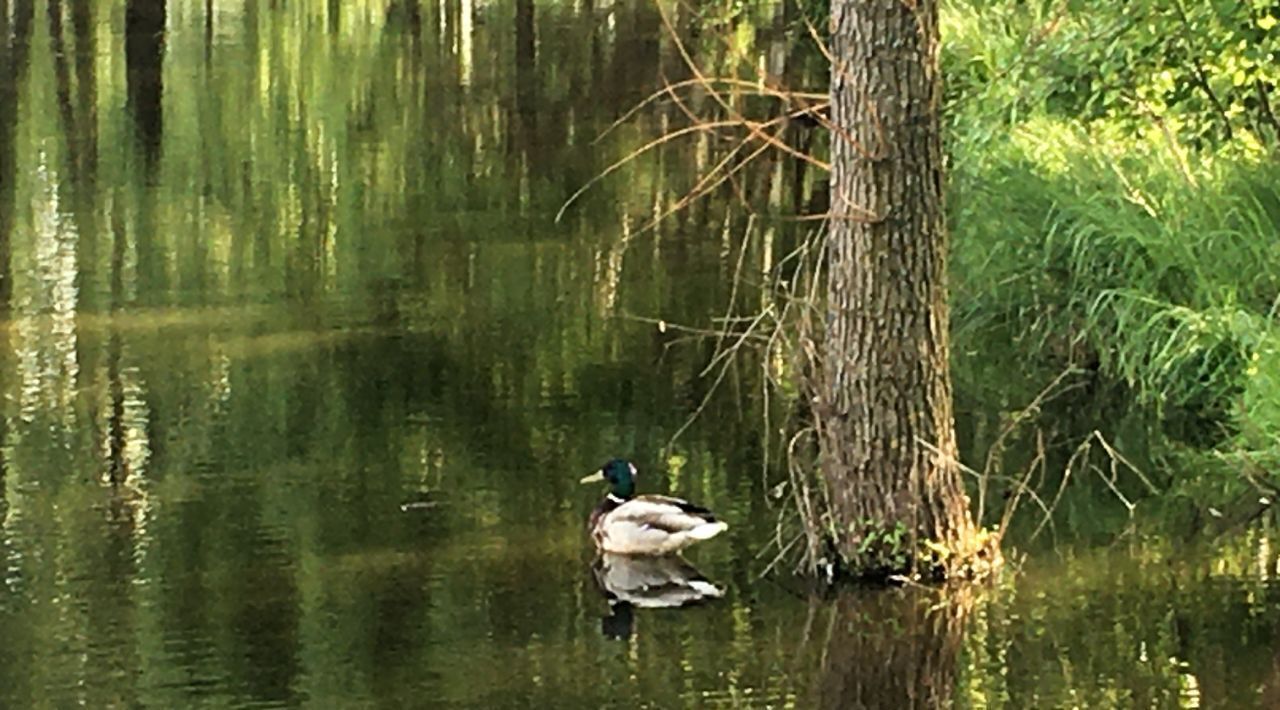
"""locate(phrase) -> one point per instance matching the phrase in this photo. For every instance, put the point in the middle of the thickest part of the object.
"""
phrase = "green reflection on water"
(299, 377)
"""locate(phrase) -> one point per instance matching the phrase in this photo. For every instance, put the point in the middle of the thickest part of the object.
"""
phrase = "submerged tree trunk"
(886, 433)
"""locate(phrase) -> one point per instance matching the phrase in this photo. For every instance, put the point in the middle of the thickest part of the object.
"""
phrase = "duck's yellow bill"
(596, 477)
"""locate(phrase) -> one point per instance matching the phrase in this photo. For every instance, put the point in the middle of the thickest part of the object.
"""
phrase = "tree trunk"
(885, 424)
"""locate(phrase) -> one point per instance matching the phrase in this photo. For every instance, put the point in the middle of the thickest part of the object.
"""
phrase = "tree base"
(885, 554)
(976, 558)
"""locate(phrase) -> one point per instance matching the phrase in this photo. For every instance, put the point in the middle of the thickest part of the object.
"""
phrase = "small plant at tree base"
(881, 549)
(890, 552)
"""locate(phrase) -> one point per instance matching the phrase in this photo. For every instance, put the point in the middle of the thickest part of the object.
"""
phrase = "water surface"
(299, 376)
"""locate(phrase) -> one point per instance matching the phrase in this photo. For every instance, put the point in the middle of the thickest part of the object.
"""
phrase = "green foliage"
(1206, 71)
(882, 549)
(1115, 213)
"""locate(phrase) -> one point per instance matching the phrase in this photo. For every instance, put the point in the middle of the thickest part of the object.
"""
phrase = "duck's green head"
(620, 476)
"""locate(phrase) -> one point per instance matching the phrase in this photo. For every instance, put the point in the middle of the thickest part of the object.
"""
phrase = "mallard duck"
(627, 524)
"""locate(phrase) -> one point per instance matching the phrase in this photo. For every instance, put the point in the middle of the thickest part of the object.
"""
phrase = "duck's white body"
(651, 525)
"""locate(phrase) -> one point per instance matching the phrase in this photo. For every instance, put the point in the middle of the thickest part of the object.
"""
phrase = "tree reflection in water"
(899, 645)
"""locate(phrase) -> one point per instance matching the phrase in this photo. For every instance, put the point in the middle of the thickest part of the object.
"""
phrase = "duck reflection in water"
(648, 582)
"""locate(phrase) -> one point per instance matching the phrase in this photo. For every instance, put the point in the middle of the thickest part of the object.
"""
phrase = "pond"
(298, 375)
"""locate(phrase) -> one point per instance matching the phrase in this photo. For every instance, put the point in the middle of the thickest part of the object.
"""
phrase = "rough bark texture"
(886, 390)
